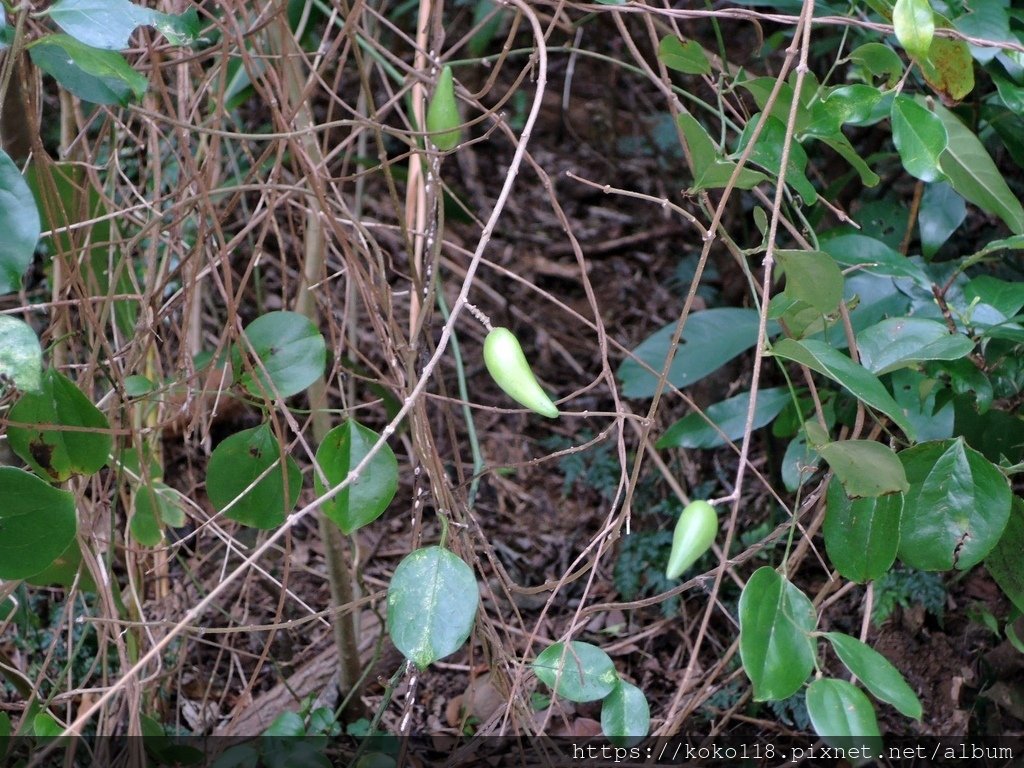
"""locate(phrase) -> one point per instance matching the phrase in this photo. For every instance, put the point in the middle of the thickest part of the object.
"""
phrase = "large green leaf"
(432, 603)
(366, 498)
(625, 715)
(21, 357)
(841, 712)
(37, 523)
(972, 173)
(578, 672)
(812, 277)
(900, 342)
(877, 673)
(237, 462)
(872, 255)
(776, 646)
(862, 535)
(710, 340)
(290, 351)
(710, 170)
(866, 468)
(91, 74)
(957, 507)
(19, 222)
(914, 24)
(688, 57)
(920, 138)
(820, 357)
(730, 416)
(65, 434)
(103, 24)
(1004, 561)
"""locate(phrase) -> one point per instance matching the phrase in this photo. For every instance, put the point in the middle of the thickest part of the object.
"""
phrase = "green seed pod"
(443, 119)
(694, 534)
(507, 365)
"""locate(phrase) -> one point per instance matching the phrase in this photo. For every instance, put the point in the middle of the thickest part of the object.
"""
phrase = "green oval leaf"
(687, 57)
(877, 673)
(366, 498)
(625, 715)
(236, 463)
(900, 342)
(290, 349)
(880, 61)
(578, 672)
(942, 212)
(862, 535)
(957, 507)
(812, 277)
(432, 603)
(865, 468)
(1003, 562)
(443, 119)
(920, 138)
(19, 221)
(710, 170)
(91, 74)
(840, 711)
(37, 523)
(103, 24)
(68, 434)
(730, 416)
(914, 23)
(776, 621)
(21, 358)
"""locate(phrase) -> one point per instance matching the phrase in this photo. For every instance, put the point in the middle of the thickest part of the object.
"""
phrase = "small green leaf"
(942, 212)
(179, 29)
(812, 277)
(687, 57)
(862, 535)
(914, 23)
(855, 103)
(19, 221)
(91, 74)
(291, 351)
(920, 138)
(877, 673)
(67, 435)
(578, 672)
(710, 170)
(865, 468)
(730, 416)
(286, 724)
(105, 24)
(432, 604)
(957, 507)
(443, 118)
(820, 357)
(1005, 296)
(236, 463)
(45, 727)
(767, 154)
(366, 498)
(37, 523)
(137, 386)
(900, 342)
(880, 61)
(21, 357)
(776, 647)
(1003, 562)
(840, 711)
(625, 715)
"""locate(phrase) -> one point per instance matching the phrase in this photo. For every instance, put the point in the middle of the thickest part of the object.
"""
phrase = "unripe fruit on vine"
(443, 119)
(694, 534)
(507, 365)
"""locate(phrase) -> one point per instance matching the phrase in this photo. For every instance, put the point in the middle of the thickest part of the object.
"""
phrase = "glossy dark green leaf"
(865, 468)
(105, 24)
(900, 342)
(578, 672)
(710, 340)
(855, 103)
(19, 221)
(366, 498)
(730, 416)
(985, 20)
(852, 250)
(21, 357)
(1005, 296)
(841, 712)
(625, 715)
(67, 435)
(291, 352)
(862, 535)
(829, 362)
(37, 523)
(876, 673)
(812, 277)
(920, 138)
(942, 212)
(776, 646)
(432, 604)
(711, 170)
(1004, 561)
(237, 462)
(957, 507)
(91, 74)
(687, 57)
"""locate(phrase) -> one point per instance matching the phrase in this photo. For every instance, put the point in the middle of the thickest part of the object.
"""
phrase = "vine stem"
(420, 387)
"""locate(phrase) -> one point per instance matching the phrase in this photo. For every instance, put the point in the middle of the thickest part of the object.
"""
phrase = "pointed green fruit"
(443, 119)
(507, 365)
(695, 533)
